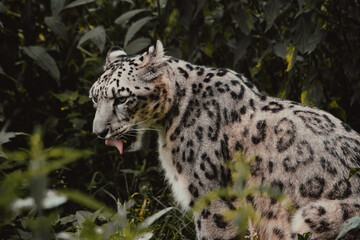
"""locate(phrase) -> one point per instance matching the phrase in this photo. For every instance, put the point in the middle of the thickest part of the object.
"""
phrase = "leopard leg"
(275, 223)
(210, 224)
(324, 218)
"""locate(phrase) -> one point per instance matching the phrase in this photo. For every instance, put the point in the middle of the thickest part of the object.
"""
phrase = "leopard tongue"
(119, 144)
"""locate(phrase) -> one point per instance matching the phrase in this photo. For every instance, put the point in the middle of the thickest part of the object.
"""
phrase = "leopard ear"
(113, 54)
(157, 51)
(154, 55)
(152, 62)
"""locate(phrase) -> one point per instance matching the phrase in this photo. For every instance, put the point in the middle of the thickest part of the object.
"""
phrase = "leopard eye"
(94, 101)
(120, 100)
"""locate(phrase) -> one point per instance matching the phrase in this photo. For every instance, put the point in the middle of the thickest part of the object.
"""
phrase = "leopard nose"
(102, 133)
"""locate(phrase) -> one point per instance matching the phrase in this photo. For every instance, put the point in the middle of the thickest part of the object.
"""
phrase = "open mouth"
(124, 142)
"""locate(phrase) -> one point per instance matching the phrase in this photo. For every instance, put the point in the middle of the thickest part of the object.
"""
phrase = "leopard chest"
(178, 182)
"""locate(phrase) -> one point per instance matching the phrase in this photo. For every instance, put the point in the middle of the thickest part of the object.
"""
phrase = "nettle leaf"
(271, 12)
(78, 3)
(57, 27)
(126, 16)
(349, 225)
(97, 36)
(57, 6)
(137, 45)
(135, 27)
(43, 60)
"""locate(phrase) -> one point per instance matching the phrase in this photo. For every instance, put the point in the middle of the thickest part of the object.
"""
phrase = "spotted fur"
(204, 115)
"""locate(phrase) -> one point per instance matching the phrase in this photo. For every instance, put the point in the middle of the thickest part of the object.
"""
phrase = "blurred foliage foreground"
(52, 51)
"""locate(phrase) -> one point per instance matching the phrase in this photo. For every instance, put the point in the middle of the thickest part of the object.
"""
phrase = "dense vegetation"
(52, 51)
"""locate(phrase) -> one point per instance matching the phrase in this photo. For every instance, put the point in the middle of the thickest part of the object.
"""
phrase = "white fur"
(179, 186)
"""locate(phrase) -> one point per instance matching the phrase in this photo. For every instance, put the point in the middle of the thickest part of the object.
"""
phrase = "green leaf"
(245, 20)
(57, 27)
(199, 6)
(137, 45)
(308, 7)
(83, 99)
(352, 172)
(290, 57)
(314, 40)
(302, 33)
(78, 123)
(135, 27)
(306, 37)
(313, 92)
(348, 225)
(78, 3)
(305, 236)
(81, 216)
(150, 220)
(43, 60)
(5, 137)
(280, 49)
(67, 219)
(126, 16)
(337, 110)
(301, 3)
(2, 9)
(57, 6)
(97, 36)
(241, 47)
(271, 12)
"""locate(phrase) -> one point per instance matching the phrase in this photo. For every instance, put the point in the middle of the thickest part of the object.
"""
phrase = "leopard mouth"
(123, 142)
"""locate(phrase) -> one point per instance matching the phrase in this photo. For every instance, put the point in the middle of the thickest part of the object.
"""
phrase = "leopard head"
(132, 95)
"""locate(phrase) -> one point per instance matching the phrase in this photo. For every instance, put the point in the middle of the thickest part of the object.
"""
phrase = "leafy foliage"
(242, 190)
(350, 229)
(305, 236)
(52, 52)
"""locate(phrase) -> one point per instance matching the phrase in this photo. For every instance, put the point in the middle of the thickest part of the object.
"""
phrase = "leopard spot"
(279, 233)
(285, 130)
(219, 221)
(256, 166)
(312, 188)
(193, 190)
(273, 107)
(340, 190)
(305, 155)
(318, 124)
(327, 166)
(261, 128)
